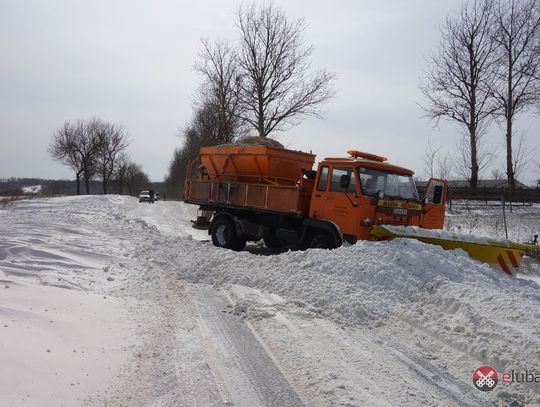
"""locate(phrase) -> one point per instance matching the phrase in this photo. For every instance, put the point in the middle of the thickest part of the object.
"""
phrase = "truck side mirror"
(437, 194)
(345, 181)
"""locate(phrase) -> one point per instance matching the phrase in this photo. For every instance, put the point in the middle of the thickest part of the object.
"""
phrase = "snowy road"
(112, 302)
(251, 376)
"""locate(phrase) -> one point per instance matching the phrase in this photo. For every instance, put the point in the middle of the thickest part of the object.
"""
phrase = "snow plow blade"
(503, 253)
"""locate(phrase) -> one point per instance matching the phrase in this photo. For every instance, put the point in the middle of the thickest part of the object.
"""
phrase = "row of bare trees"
(259, 85)
(486, 68)
(97, 149)
(455, 162)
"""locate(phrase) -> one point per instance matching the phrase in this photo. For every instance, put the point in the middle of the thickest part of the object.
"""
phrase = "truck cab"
(363, 190)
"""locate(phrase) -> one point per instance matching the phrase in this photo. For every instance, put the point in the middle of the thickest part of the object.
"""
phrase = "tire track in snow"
(248, 361)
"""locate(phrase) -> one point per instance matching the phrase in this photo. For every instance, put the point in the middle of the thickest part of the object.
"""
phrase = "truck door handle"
(317, 195)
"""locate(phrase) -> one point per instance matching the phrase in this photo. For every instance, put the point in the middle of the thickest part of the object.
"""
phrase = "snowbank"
(61, 338)
(57, 344)
(470, 307)
(468, 312)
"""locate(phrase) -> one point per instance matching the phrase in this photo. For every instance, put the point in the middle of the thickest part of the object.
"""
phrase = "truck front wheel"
(224, 234)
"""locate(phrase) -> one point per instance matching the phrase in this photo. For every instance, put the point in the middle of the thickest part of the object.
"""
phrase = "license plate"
(400, 211)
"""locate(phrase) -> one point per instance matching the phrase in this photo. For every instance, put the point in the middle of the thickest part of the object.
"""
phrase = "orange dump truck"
(260, 192)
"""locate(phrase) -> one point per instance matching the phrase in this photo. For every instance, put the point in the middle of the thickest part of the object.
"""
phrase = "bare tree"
(120, 171)
(437, 164)
(460, 77)
(136, 179)
(497, 174)
(64, 149)
(176, 174)
(276, 86)
(430, 159)
(201, 131)
(90, 143)
(77, 147)
(518, 87)
(522, 156)
(218, 94)
(113, 140)
(462, 160)
(266, 84)
(444, 166)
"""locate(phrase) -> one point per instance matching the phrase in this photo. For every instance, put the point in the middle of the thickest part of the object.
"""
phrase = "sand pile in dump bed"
(255, 141)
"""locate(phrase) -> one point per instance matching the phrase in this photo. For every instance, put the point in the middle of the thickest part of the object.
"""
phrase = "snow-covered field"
(104, 301)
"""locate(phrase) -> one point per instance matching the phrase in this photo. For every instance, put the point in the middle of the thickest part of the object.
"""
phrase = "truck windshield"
(390, 184)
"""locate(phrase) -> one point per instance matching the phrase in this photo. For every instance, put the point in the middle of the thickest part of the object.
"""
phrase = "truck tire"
(224, 235)
(319, 239)
(271, 241)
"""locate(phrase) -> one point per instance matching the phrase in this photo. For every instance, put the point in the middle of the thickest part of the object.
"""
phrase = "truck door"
(435, 198)
(318, 198)
(341, 202)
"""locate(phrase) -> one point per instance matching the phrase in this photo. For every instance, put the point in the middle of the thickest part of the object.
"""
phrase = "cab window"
(343, 180)
(323, 177)
(435, 191)
(391, 185)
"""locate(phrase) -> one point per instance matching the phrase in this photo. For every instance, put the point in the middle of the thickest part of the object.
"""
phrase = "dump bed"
(256, 163)
(250, 177)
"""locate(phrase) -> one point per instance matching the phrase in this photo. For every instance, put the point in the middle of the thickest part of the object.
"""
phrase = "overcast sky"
(130, 62)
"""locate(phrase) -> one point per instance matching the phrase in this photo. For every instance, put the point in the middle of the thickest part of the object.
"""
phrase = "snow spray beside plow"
(503, 253)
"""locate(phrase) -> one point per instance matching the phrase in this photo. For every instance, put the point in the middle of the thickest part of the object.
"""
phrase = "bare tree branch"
(522, 156)
(113, 140)
(430, 158)
(462, 160)
(276, 86)
(218, 94)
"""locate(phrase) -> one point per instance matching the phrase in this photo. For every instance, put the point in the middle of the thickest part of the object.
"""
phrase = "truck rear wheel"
(224, 234)
(319, 240)
(271, 241)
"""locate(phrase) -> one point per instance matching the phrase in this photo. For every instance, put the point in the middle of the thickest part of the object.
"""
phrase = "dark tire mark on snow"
(450, 389)
(267, 381)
